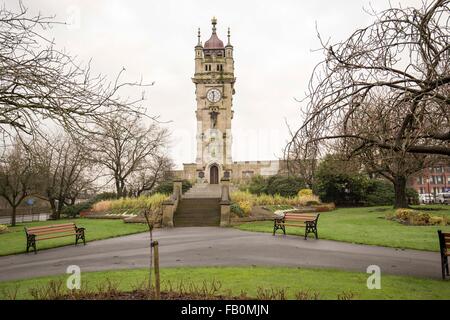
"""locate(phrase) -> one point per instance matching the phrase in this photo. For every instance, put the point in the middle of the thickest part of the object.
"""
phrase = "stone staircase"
(203, 191)
(197, 212)
(199, 206)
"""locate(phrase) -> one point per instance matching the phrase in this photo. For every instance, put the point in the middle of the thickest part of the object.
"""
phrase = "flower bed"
(418, 218)
(129, 209)
(3, 228)
(243, 202)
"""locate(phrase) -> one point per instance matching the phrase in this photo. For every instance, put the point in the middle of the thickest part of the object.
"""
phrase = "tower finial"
(229, 35)
(214, 22)
(198, 35)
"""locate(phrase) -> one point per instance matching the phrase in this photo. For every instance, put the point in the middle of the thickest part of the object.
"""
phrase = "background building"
(432, 180)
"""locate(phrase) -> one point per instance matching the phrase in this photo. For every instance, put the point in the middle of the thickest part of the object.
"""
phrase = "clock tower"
(214, 89)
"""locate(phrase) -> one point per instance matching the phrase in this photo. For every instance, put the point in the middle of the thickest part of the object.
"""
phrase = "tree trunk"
(123, 190)
(119, 188)
(401, 201)
(59, 209)
(53, 207)
(13, 217)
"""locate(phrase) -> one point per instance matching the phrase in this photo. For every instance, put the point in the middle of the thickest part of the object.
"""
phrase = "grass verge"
(367, 226)
(256, 282)
(14, 241)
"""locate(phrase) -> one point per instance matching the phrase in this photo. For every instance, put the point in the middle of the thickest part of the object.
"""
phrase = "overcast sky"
(273, 49)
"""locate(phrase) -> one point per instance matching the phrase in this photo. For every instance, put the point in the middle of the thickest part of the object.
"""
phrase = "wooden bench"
(51, 232)
(444, 244)
(306, 220)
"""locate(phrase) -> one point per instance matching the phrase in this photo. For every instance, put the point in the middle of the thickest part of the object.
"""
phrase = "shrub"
(166, 187)
(104, 196)
(418, 218)
(379, 192)
(102, 206)
(264, 200)
(153, 202)
(245, 200)
(438, 221)
(412, 195)
(280, 200)
(235, 208)
(240, 196)
(337, 181)
(286, 186)
(246, 207)
(3, 228)
(309, 200)
(74, 210)
(343, 189)
(403, 214)
(305, 192)
(257, 185)
(305, 201)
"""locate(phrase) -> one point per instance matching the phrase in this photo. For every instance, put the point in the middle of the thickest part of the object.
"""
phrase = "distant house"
(432, 180)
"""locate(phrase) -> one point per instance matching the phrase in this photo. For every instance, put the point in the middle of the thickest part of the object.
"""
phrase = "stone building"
(214, 81)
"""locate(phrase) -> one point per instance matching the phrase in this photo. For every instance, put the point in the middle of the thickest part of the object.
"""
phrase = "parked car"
(426, 198)
(443, 198)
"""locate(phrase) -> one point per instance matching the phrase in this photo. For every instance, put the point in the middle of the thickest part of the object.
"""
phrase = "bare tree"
(16, 177)
(384, 92)
(86, 184)
(151, 173)
(38, 82)
(403, 58)
(302, 157)
(64, 170)
(124, 146)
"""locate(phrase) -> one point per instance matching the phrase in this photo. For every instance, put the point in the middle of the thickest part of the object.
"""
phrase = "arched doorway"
(214, 175)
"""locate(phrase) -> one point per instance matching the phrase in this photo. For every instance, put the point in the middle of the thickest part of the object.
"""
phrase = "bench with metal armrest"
(444, 245)
(292, 219)
(40, 233)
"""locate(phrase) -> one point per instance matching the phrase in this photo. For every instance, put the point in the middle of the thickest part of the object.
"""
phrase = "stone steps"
(203, 191)
(197, 212)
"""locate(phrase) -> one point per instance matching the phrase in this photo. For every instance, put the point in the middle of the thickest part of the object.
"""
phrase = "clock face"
(214, 95)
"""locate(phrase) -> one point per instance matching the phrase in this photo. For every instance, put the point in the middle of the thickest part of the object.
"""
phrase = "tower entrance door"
(214, 175)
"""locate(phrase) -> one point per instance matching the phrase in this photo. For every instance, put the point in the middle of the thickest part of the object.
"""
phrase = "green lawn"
(234, 280)
(14, 241)
(367, 226)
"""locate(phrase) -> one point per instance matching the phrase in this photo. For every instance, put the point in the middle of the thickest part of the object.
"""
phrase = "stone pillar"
(168, 211)
(177, 188)
(170, 206)
(225, 183)
(225, 203)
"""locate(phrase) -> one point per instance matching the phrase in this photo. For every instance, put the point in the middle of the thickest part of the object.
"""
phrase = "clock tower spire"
(214, 88)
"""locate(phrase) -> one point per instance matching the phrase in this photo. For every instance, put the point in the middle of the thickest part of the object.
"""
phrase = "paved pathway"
(219, 247)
